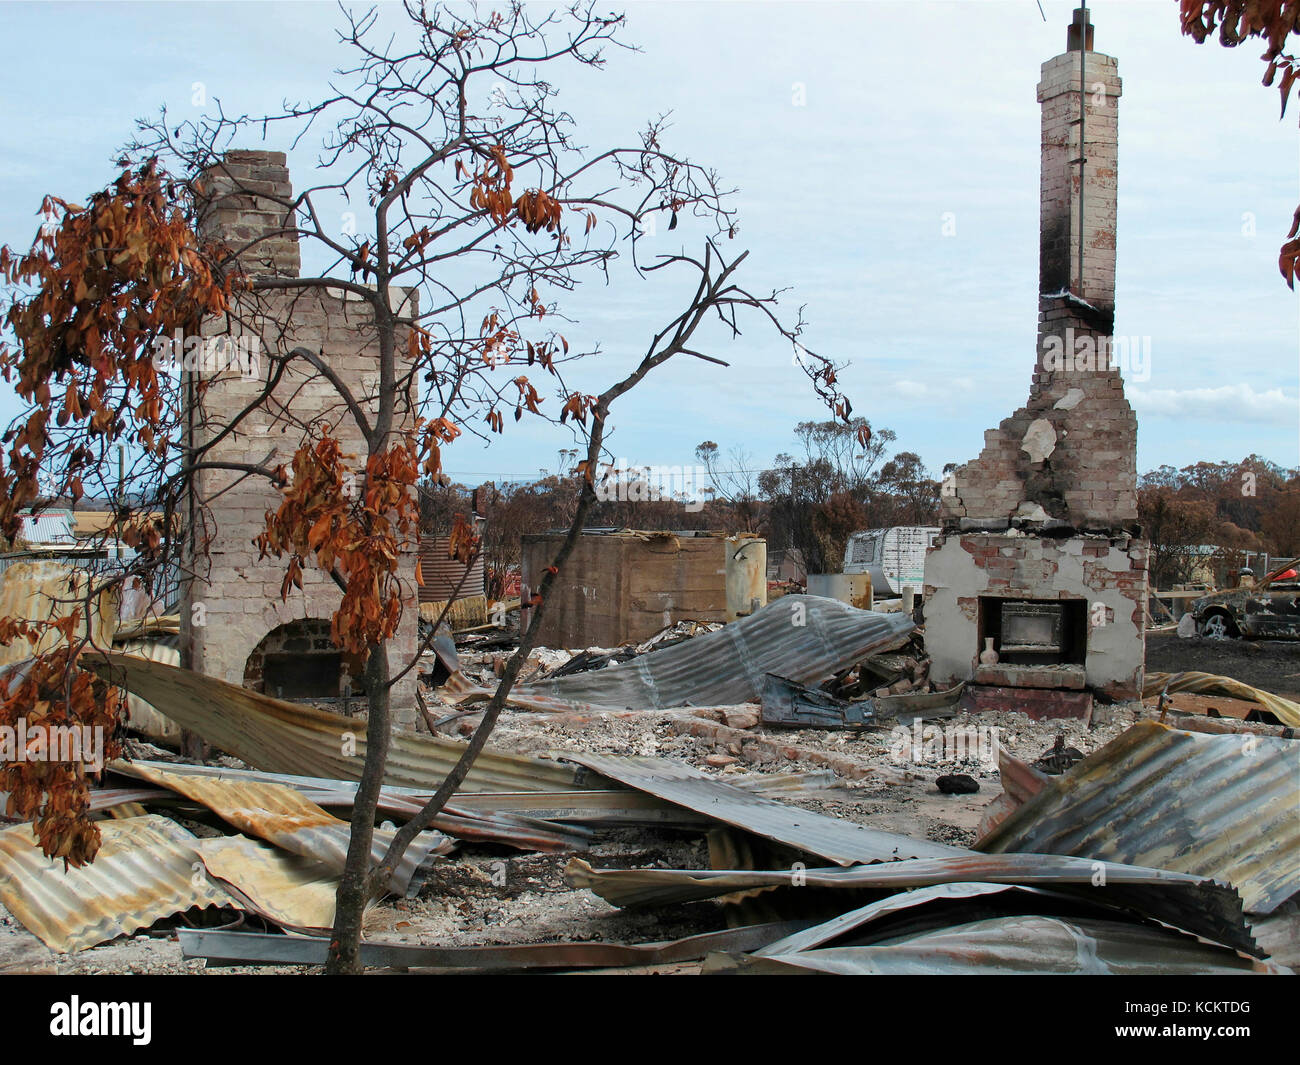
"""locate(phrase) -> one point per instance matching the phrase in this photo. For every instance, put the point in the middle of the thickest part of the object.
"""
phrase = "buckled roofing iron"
(292, 891)
(805, 638)
(144, 871)
(842, 842)
(280, 815)
(970, 942)
(1221, 806)
(1195, 904)
(465, 820)
(285, 737)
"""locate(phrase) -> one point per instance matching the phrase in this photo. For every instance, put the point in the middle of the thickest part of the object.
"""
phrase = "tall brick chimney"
(1041, 529)
(234, 624)
(1068, 208)
(1068, 458)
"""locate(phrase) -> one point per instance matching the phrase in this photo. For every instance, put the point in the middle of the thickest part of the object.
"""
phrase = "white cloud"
(1238, 403)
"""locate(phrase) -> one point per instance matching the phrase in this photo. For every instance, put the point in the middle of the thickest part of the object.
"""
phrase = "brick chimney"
(247, 209)
(1039, 559)
(1068, 458)
(234, 623)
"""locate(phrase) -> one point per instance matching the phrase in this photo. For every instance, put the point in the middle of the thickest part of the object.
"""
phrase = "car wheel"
(1218, 627)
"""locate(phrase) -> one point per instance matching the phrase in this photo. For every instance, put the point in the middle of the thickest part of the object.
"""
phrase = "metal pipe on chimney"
(1083, 119)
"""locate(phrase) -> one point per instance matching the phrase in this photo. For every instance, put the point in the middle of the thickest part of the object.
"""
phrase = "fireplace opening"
(299, 661)
(301, 676)
(1035, 631)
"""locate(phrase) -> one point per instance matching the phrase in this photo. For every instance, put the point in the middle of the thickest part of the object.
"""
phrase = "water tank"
(746, 570)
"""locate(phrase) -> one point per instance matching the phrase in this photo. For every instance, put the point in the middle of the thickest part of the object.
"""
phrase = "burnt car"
(1269, 610)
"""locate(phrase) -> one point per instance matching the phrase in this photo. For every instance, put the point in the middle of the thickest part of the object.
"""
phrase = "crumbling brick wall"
(234, 599)
(1108, 573)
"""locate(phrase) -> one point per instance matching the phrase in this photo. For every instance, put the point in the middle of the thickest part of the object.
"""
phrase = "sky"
(886, 162)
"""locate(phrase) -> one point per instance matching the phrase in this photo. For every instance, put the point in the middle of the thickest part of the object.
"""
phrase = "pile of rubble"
(768, 796)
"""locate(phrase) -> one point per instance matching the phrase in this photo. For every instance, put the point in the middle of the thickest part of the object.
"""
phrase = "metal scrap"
(282, 816)
(1196, 904)
(842, 842)
(1221, 806)
(144, 871)
(285, 737)
(971, 942)
(46, 590)
(292, 891)
(805, 638)
(784, 702)
(459, 819)
(244, 948)
(1025, 945)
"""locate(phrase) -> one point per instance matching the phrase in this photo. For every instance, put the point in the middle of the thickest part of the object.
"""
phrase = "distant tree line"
(808, 503)
(1209, 515)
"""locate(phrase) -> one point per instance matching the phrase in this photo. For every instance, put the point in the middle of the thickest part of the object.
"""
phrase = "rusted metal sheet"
(141, 716)
(289, 890)
(1221, 806)
(972, 943)
(803, 638)
(282, 816)
(488, 825)
(44, 591)
(285, 737)
(442, 574)
(244, 948)
(1020, 781)
(838, 841)
(1199, 905)
(103, 799)
(144, 871)
(1285, 710)
(1026, 945)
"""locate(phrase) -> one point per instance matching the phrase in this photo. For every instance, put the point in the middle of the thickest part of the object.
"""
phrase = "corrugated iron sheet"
(442, 574)
(289, 890)
(804, 638)
(43, 591)
(1221, 806)
(48, 527)
(247, 948)
(1286, 711)
(285, 737)
(1025, 943)
(143, 717)
(842, 842)
(281, 816)
(456, 819)
(1195, 904)
(1020, 781)
(144, 871)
